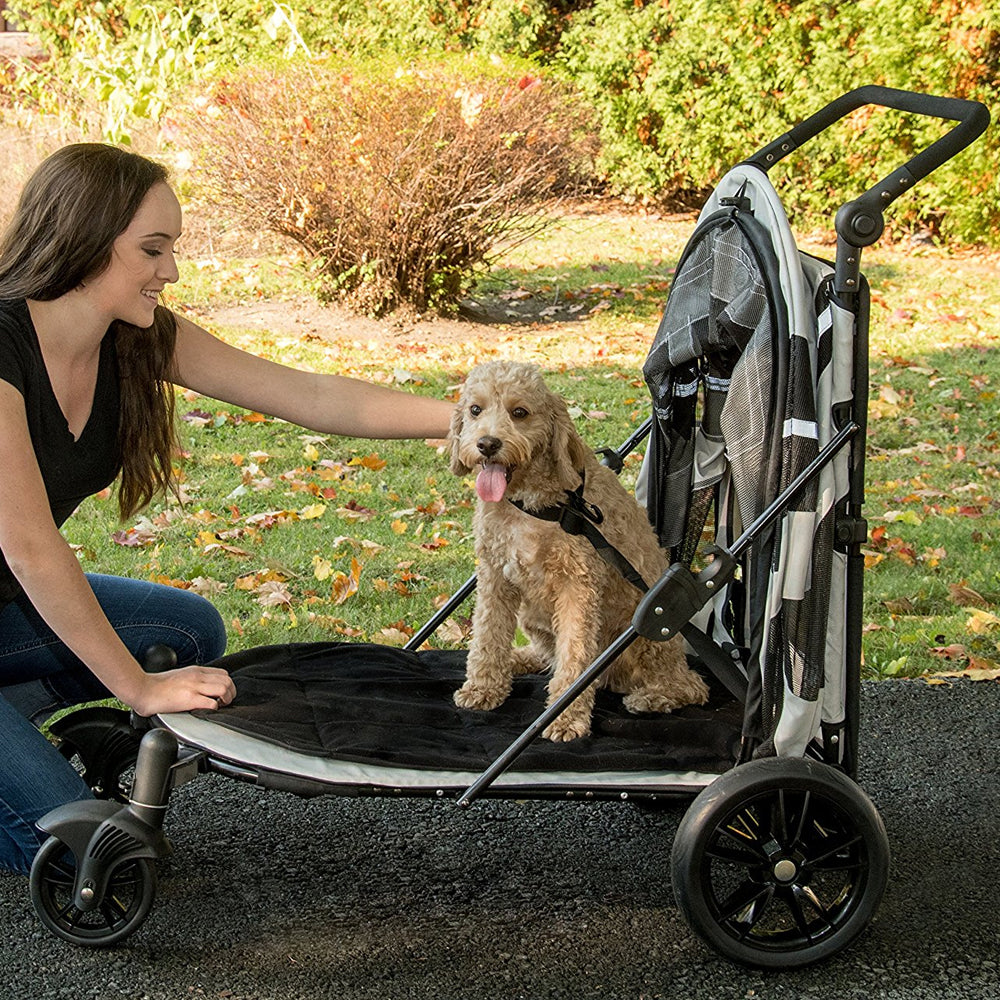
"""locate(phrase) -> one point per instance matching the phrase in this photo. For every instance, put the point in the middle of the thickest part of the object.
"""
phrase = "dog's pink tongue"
(491, 483)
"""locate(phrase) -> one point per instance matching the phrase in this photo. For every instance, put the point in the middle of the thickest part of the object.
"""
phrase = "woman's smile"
(142, 261)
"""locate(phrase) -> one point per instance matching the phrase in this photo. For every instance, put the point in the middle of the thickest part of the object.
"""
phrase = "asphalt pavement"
(270, 897)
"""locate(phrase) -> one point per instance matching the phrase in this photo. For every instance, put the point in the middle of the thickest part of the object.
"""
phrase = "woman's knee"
(189, 624)
(211, 629)
(146, 614)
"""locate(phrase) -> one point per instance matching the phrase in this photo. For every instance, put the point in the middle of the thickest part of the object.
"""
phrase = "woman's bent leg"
(34, 778)
(145, 613)
(39, 675)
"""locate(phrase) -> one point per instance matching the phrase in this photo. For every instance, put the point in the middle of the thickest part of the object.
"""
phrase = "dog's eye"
(519, 413)
(475, 410)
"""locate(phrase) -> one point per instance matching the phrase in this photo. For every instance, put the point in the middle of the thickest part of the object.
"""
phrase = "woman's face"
(142, 261)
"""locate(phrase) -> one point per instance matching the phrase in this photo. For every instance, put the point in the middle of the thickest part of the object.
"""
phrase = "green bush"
(686, 89)
(401, 183)
(130, 59)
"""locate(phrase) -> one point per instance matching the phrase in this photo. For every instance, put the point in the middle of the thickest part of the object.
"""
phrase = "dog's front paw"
(480, 696)
(566, 728)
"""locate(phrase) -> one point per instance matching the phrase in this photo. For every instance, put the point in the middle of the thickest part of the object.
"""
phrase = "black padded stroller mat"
(376, 704)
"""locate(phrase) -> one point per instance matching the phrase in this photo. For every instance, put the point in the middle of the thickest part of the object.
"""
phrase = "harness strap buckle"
(576, 508)
(577, 516)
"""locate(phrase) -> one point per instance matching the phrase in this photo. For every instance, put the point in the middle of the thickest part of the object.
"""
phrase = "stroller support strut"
(607, 657)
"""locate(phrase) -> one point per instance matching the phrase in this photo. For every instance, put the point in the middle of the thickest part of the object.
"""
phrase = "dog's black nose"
(489, 446)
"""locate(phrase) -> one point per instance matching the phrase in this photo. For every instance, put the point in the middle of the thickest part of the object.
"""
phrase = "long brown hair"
(71, 211)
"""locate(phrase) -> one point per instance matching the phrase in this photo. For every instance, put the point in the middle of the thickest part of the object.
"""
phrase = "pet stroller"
(758, 377)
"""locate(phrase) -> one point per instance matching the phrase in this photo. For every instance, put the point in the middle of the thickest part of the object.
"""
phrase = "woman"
(87, 362)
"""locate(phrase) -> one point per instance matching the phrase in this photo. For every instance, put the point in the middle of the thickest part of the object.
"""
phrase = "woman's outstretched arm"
(331, 404)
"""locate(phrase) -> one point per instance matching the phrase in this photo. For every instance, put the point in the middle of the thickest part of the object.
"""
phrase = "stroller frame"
(753, 825)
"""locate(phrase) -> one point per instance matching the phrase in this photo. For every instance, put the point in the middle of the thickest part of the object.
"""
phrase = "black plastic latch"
(739, 201)
(850, 531)
(611, 458)
(679, 595)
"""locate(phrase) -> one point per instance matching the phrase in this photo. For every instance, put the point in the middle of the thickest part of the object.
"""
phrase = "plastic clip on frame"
(860, 222)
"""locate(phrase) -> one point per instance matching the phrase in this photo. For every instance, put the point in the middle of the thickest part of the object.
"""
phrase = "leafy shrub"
(129, 59)
(686, 89)
(400, 184)
(683, 88)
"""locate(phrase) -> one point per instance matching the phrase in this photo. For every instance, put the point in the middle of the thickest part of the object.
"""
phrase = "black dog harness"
(577, 516)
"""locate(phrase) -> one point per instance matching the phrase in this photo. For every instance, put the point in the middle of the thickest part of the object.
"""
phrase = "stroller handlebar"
(859, 222)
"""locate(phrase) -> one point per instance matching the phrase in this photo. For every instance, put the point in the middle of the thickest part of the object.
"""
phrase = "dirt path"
(481, 321)
(331, 322)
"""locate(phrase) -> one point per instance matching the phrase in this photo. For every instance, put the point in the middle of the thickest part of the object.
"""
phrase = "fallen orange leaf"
(956, 651)
(344, 584)
(966, 597)
(372, 462)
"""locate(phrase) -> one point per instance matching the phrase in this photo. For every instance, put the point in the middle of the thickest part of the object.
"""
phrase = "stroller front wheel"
(780, 862)
(127, 900)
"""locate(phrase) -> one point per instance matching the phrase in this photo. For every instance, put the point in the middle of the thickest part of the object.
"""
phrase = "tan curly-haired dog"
(567, 600)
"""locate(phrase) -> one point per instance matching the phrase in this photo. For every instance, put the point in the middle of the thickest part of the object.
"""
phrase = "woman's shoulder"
(14, 312)
(15, 320)
(16, 352)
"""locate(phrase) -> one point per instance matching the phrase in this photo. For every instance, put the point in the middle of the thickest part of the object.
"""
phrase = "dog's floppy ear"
(568, 447)
(458, 467)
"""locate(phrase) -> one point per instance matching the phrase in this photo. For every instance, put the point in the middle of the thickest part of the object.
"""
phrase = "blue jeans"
(39, 675)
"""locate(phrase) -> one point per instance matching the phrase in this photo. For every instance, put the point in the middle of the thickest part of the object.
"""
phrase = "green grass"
(301, 538)
(589, 264)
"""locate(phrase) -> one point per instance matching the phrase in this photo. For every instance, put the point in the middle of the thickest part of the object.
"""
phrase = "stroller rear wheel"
(780, 862)
(127, 900)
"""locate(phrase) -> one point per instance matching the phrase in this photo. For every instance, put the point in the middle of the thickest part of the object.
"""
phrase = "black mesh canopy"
(720, 323)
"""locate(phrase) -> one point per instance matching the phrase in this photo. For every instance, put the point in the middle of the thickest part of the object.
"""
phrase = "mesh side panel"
(701, 504)
(746, 421)
(716, 373)
(806, 638)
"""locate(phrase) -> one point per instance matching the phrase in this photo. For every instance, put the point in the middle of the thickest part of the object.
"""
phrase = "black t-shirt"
(71, 469)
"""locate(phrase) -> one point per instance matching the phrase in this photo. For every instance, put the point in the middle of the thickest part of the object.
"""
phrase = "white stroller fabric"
(800, 619)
